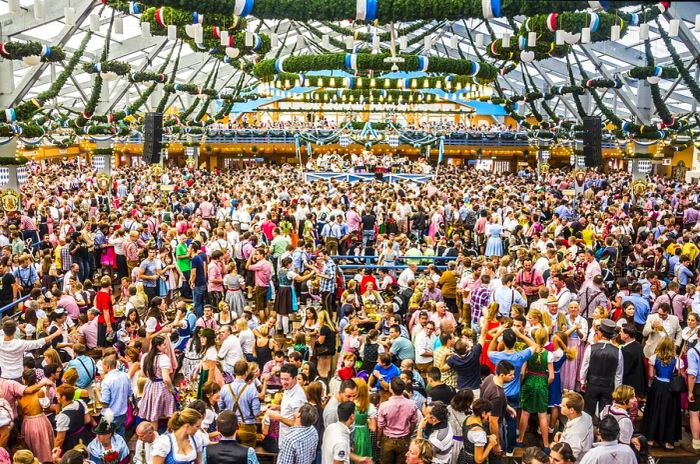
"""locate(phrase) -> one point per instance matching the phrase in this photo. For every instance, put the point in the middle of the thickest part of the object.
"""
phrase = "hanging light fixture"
(375, 42)
(223, 37)
(249, 39)
(479, 40)
(198, 33)
(39, 9)
(586, 35)
(13, 6)
(94, 23)
(118, 27)
(146, 30)
(673, 27)
(325, 41)
(532, 39)
(505, 41)
(615, 32)
(559, 37)
(172, 32)
(428, 43)
(349, 43)
(643, 31)
(454, 41)
(697, 23)
(403, 43)
(69, 16)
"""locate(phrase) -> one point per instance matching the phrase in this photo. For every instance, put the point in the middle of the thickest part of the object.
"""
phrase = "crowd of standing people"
(237, 315)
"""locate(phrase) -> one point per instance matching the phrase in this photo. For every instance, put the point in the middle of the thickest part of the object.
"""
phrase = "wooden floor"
(660, 455)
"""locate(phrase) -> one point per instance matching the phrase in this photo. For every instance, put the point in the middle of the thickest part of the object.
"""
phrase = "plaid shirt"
(328, 285)
(299, 447)
(66, 259)
(479, 301)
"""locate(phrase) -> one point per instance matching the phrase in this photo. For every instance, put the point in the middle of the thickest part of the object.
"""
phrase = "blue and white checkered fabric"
(98, 163)
(22, 175)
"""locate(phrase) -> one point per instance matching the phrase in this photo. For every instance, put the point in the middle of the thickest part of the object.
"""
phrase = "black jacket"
(227, 452)
(633, 373)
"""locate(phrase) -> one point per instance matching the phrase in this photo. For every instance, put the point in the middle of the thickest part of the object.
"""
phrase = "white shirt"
(12, 356)
(578, 433)
(424, 344)
(336, 444)
(231, 351)
(292, 399)
(587, 361)
(142, 455)
(406, 276)
(609, 452)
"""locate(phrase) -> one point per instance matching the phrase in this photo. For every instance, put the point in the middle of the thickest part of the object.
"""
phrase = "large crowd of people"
(241, 315)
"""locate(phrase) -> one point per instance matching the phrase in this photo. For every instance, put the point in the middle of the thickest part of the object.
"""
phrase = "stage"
(353, 177)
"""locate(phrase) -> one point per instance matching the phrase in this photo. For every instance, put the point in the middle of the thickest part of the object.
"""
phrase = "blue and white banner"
(491, 8)
(134, 8)
(279, 65)
(351, 61)
(441, 149)
(366, 10)
(243, 7)
(423, 63)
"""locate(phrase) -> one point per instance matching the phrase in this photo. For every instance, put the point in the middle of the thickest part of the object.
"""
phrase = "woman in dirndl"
(494, 244)
(286, 300)
(158, 400)
(36, 429)
(577, 332)
(234, 284)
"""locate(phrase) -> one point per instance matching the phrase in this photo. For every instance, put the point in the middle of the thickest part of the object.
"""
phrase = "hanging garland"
(602, 83)
(367, 36)
(207, 102)
(25, 110)
(119, 68)
(21, 50)
(94, 99)
(382, 11)
(368, 95)
(267, 69)
(688, 79)
(667, 119)
(516, 50)
(575, 95)
(644, 72)
(167, 92)
(146, 76)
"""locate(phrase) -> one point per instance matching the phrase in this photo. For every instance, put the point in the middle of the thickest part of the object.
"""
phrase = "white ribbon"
(361, 10)
(353, 62)
(486, 9)
(595, 5)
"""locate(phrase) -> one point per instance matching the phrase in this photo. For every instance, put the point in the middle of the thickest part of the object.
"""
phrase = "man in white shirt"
(660, 325)
(146, 435)
(292, 399)
(407, 275)
(336, 438)
(230, 351)
(425, 340)
(578, 432)
(12, 350)
(609, 450)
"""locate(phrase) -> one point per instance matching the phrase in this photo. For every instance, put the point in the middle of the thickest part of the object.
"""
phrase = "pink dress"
(157, 401)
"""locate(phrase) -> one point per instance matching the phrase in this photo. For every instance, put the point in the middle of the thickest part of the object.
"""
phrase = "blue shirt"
(402, 348)
(641, 307)
(198, 263)
(684, 275)
(248, 403)
(387, 373)
(517, 359)
(97, 451)
(694, 363)
(507, 297)
(86, 370)
(115, 391)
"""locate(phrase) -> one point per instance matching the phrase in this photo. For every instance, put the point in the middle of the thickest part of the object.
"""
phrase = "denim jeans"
(198, 300)
(120, 423)
(512, 423)
(367, 236)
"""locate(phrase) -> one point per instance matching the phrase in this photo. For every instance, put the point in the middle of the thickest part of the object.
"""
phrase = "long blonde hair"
(325, 319)
(362, 398)
(561, 340)
(492, 311)
(666, 350)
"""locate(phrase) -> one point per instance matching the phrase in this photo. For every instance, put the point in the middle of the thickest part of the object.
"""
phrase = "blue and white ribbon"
(45, 50)
(475, 69)
(634, 19)
(626, 126)
(423, 63)
(491, 8)
(441, 149)
(302, 80)
(407, 83)
(351, 61)
(350, 82)
(243, 7)
(97, 67)
(522, 42)
(279, 65)
(134, 8)
(258, 42)
(598, 5)
(197, 18)
(595, 22)
(366, 10)
(658, 71)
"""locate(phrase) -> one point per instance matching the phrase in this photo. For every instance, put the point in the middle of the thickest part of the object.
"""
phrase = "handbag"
(677, 383)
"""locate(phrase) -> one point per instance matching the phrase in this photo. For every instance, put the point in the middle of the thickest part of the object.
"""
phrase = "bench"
(264, 456)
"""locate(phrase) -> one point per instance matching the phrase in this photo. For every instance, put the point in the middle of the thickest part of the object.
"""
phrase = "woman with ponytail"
(178, 445)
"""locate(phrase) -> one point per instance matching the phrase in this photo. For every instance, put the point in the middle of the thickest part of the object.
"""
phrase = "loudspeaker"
(593, 141)
(152, 138)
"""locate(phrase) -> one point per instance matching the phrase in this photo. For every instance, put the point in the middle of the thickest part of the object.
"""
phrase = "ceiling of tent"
(601, 59)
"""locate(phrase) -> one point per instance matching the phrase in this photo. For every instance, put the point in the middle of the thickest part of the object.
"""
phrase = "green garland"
(18, 160)
(143, 98)
(119, 68)
(209, 99)
(24, 130)
(191, 89)
(642, 72)
(186, 114)
(167, 92)
(543, 50)
(102, 151)
(680, 66)
(667, 119)
(575, 95)
(394, 11)
(265, 69)
(94, 98)
(19, 50)
(147, 76)
(26, 110)
(602, 83)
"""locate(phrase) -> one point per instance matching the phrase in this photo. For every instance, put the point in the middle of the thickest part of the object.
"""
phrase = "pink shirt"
(263, 272)
(10, 391)
(89, 332)
(397, 416)
(354, 220)
(215, 272)
(68, 303)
